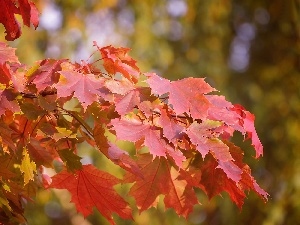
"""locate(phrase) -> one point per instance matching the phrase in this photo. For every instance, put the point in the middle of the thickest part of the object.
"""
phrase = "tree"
(180, 129)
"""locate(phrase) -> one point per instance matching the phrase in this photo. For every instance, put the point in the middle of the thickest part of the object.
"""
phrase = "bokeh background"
(247, 49)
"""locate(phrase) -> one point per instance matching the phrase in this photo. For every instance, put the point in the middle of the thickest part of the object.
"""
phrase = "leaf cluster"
(184, 126)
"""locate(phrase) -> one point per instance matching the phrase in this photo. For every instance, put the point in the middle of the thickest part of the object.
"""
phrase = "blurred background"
(247, 49)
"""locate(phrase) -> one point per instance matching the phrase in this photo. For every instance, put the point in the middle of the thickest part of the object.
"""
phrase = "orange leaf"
(160, 179)
(90, 188)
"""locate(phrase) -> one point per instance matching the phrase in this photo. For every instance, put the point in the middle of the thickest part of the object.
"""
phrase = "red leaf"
(232, 171)
(84, 86)
(5, 166)
(7, 54)
(46, 75)
(29, 13)
(9, 73)
(114, 153)
(250, 129)
(171, 129)
(123, 159)
(221, 110)
(40, 154)
(153, 141)
(90, 188)
(5, 74)
(247, 121)
(186, 95)
(133, 130)
(128, 102)
(7, 18)
(129, 130)
(120, 87)
(6, 141)
(117, 60)
(247, 181)
(5, 104)
(215, 181)
(160, 179)
(159, 147)
(205, 140)
(19, 81)
(26, 9)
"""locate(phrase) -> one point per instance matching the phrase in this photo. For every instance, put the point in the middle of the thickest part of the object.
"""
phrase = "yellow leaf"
(62, 133)
(4, 202)
(32, 70)
(27, 167)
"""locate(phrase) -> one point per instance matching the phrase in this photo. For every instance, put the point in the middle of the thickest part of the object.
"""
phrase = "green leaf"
(71, 160)
(63, 133)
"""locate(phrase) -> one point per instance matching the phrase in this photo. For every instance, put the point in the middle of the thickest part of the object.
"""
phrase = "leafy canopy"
(184, 126)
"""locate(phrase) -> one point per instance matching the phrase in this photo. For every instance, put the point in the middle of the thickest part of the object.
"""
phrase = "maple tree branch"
(42, 93)
(28, 95)
(45, 93)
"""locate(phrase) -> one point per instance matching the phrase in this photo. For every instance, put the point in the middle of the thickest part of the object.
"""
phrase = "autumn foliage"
(181, 132)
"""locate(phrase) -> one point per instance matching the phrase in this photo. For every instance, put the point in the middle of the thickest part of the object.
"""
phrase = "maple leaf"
(216, 181)
(122, 158)
(5, 104)
(247, 181)
(90, 188)
(113, 152)
(129, 130)
(160, 179)
(132, 99)
(186, 95)
(19, 81)
(202, 136)
(5, 172)
(84, 86)
(158, 146)
(221, 110)
(14, 194)
(45, 73)
(252, 134)
(22, 130)
(9, 64)
(71, 160)
(5, 74)
(134, 130)
(117, 60)
(7, 54)
(171, 129)
(6, 141)
(128, 102)
(40, 154)
(31, 110)
(247, 121)
(7, 18)
(26, 9)
(29, 13)
(120, 87)
(27, 167)
(205, 140)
